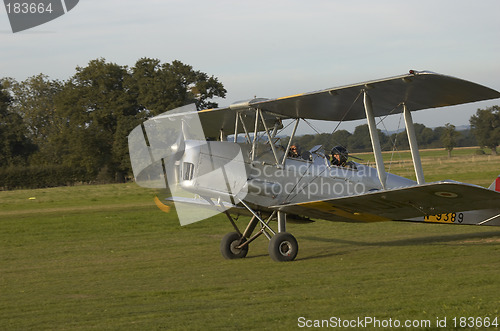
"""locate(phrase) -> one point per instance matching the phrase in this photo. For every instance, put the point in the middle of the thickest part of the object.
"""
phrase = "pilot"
(293, 152)
(339, 157)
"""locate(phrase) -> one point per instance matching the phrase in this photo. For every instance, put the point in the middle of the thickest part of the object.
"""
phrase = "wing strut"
(236, 127)
(247, 135)
(290, 141)
(254, 142)
(270, 139)
(377, 151)
(412, 139)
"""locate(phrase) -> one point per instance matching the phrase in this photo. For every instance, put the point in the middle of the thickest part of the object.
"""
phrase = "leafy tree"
(466, 138)
(15, 146)
(340, 137)
(104, 101)
(360, 139)
(161, 87)
(449, 137)
(425, 136)
(485, 125)
(304, 142)
(83, 122)
(94, 103)
(34, 102)
(438, 133)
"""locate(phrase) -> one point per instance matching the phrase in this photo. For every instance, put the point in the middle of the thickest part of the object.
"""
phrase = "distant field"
(104, 257)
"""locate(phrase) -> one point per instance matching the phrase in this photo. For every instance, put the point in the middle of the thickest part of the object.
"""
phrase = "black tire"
(228, 247)
(283, 247)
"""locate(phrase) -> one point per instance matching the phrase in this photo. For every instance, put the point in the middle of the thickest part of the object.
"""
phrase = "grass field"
(105, 258)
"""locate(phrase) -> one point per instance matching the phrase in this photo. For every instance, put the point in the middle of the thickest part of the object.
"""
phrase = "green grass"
(105, 258)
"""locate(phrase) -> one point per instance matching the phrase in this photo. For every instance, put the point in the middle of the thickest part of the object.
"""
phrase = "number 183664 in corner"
(475, 322)
(28, 7)
(27, 14)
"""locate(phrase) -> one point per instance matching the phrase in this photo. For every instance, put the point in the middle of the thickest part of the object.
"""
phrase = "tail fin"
(495, 186)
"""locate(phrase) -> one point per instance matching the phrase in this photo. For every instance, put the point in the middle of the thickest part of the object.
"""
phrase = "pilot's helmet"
(342, 152)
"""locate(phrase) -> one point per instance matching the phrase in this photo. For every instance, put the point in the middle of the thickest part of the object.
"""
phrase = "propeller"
(171, 161)
(163, 207)
(179, 146)
(156, 148)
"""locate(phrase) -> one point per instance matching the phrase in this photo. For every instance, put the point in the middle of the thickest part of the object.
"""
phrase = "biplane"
(231, 160)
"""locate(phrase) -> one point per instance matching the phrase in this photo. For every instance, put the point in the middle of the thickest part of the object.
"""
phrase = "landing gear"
(229, 246)
(283, 247)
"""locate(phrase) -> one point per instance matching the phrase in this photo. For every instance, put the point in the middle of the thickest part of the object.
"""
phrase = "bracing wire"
(341, 120)
(394, 148)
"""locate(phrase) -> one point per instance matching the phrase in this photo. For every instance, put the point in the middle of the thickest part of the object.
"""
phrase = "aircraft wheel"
(283, 247)
(228, 247)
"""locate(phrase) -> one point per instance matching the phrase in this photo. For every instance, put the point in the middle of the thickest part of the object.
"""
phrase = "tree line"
(484, 132)
(76, 130)
(57, 132)
(359, 140)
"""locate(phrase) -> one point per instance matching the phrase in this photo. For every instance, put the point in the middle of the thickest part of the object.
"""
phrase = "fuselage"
(224, 170)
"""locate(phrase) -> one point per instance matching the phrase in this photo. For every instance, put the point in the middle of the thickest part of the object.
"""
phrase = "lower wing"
(399, 204)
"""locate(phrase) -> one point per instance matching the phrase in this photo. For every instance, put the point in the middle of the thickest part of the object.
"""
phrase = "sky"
(273, 48)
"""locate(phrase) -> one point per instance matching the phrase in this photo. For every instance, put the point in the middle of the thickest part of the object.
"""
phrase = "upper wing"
(418, 90)
(399, 204)
(213, 121)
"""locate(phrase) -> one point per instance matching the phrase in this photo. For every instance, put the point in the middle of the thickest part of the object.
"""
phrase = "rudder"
(495, 186)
